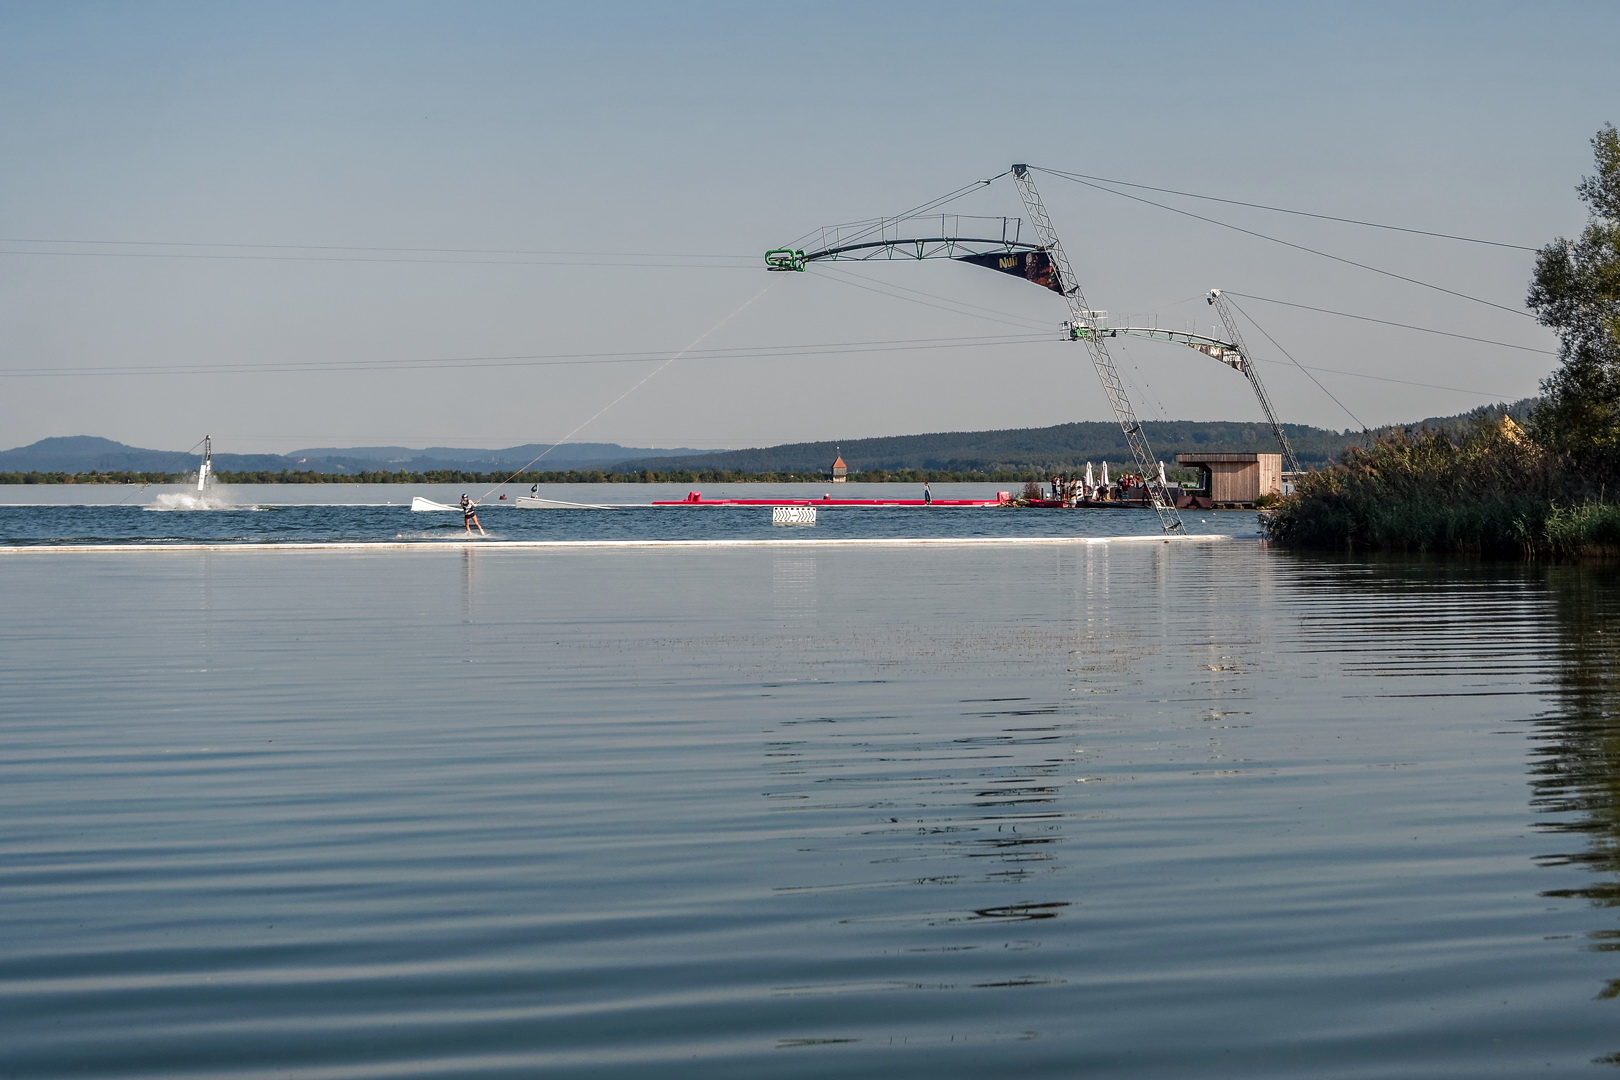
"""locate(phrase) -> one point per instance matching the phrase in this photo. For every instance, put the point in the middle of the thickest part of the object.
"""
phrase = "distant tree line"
(114, 477)
(1010, 474)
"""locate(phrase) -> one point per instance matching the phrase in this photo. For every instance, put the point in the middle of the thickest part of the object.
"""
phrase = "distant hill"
(1059, 448)
(88, 453)
(566, 456)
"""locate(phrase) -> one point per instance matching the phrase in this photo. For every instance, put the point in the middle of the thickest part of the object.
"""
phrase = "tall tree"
(1576, 291)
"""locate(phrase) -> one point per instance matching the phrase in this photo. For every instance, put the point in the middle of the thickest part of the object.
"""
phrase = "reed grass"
(1486, 489)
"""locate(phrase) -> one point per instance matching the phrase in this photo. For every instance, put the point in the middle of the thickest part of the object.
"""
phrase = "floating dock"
(1003, 498)
(696, 499)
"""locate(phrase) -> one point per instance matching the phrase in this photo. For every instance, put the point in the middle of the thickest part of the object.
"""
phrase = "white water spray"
(204, 496)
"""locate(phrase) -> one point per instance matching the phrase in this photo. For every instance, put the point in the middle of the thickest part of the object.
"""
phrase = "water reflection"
(935, 823)
(950, 808)
(1493, 630)
(1575, 773)
(961, 807)
(469, 586)
(793, 591)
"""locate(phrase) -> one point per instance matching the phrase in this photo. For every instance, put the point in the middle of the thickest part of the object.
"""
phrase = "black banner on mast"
(1034, 266)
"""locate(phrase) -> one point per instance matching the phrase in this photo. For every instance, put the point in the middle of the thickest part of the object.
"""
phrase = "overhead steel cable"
(583, 424)
(1383, 378)
(882, 289)
(878, 224)
(1387, 322)
(711, 354)
(603, 260)
(1296, 213)
(769, 352)
(1148, 394)
(1296, 363)
(370, 247)
(1296, 247)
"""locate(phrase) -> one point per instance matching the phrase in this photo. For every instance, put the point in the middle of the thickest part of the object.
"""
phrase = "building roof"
(839, 464)
(1223, 459)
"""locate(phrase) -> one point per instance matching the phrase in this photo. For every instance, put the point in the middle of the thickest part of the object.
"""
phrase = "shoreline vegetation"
(1488, 490)
(1549, 489)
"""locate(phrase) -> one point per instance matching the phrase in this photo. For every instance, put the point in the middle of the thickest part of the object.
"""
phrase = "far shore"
(450, 476)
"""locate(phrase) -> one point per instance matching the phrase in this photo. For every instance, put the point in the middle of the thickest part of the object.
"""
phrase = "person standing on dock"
(469, 515)
(928, 496)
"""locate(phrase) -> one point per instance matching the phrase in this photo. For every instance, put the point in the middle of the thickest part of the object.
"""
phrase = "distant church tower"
(840, 471)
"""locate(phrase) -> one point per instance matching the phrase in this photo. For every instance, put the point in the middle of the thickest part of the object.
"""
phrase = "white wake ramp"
(419, 503)
(534, 502)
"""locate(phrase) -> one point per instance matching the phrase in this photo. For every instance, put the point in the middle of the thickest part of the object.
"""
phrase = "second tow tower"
(1083, 323)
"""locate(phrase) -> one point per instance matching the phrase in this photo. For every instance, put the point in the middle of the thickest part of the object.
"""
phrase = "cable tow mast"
(997, 244)
(1233, 353)
(1082, 317)
(1245, 364)
(205, 472)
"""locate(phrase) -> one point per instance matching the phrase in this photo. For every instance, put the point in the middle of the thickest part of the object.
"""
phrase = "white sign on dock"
(793, 515)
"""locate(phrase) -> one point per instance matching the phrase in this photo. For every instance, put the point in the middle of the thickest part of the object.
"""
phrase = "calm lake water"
(75, 513)
(1194, 810)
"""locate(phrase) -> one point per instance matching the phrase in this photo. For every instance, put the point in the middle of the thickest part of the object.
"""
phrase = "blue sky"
(654, 137)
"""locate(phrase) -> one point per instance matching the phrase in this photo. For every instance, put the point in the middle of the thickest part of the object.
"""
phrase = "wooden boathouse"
(1233, 481)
